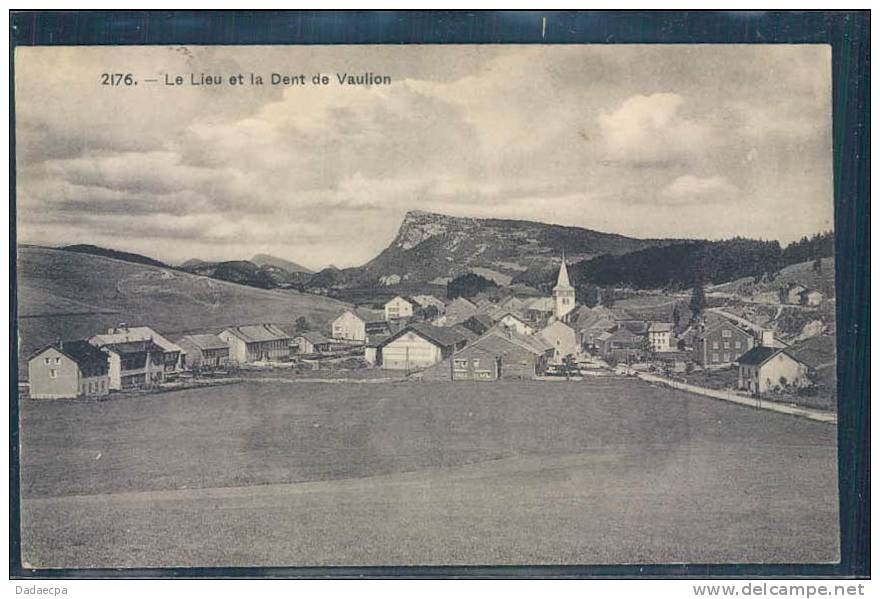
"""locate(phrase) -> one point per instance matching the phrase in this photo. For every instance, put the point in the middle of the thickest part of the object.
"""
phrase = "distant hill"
(234, 271)
(72, 295)
(287, 265)
(192, 263)
(431, 246)
(263, 273)
(115, 254)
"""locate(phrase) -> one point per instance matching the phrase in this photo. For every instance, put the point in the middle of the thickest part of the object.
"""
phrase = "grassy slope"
(60, 286)
(606, 471)
(801, 273)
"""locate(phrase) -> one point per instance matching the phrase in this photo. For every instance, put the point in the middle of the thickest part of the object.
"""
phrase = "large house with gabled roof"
(720, 343)
(763, 369)
(419, 345)
(68, 369)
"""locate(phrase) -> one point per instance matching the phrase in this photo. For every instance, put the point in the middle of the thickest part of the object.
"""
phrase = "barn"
(419, 345)
(257, 343)
(499, 354)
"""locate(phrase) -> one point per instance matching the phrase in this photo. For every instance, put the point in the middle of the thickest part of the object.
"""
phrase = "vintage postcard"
(425, 305)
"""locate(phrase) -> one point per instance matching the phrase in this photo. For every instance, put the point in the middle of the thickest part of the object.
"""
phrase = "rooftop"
(442, 336)
(313, 337)
(122, 334)
(80, 351)
(257, 333)
(758, 355)
(205, 342)
(134, 347)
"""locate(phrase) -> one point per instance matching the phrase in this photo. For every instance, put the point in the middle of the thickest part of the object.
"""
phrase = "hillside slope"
(429, 246)
(85, 248)
(802, 273)
(70, 295)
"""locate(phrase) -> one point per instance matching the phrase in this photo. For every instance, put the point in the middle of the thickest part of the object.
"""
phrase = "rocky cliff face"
(419, 226)
(431, 246)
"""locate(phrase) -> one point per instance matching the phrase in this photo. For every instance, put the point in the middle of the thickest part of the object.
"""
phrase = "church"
(563, 293)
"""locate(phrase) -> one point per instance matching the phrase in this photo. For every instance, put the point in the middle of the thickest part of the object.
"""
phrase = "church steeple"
(563, 293)
(562, 281)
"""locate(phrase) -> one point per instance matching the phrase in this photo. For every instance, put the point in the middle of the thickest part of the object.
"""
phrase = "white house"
(68, 369)
(135, 364)
(349, 326)
(359, 324)
(173, 356)
(762, 369)
(512, 321)
(660, 336)
(562, 338)
(398, 308)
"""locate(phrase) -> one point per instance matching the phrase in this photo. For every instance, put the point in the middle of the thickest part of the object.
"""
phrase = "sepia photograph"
(425, 305)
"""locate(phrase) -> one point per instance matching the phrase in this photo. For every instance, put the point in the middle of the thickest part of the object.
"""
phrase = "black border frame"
(848, 33)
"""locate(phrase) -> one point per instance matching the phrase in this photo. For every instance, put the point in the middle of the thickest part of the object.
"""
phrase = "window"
(727, 345)
(46, 360)
(714, 345)
(737, 344)
(462, 364)
(476, 363)
(726, 333)
(714, 357)
(53, 373)
(726, 357)
(58, 360)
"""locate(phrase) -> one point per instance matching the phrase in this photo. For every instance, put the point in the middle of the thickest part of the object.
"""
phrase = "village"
(423, 337)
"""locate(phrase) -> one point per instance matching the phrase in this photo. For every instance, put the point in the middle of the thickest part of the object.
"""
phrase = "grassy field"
(69, 295)
(285, 473)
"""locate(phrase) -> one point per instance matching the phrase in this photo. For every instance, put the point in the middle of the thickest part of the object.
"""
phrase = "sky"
(684, 141)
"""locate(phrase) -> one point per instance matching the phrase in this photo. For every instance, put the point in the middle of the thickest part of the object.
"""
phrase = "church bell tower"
(563, 292)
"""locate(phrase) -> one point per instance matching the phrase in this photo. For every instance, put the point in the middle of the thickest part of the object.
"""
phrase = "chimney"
(767, 339)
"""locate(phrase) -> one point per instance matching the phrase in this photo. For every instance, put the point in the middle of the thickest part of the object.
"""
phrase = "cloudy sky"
(648, 141)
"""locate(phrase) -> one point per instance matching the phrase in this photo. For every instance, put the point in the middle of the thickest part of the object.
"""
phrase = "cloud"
(628, 139)
(650, 130)
(689, 189)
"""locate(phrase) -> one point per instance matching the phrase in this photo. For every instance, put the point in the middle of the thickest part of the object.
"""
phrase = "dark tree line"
(684, 265)
(820, 245)
(468, 285)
